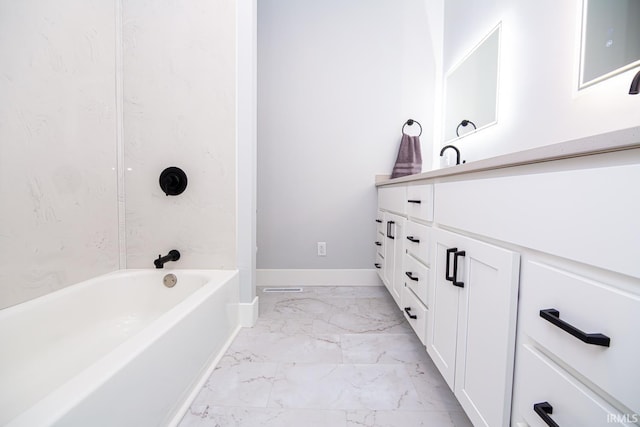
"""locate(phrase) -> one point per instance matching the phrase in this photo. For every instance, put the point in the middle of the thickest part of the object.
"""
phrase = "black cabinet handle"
(446, 273)
(408, 311)
(544, 409)
(455, 268)
(411, 276)
(456, 253)
(378, 243)
(377, 265)
(413, 239)
(414, 201)
(389, 224)
(552, 315)
(379, 221)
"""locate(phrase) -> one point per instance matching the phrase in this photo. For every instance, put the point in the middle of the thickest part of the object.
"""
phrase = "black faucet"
(457, 153)
(173, 255)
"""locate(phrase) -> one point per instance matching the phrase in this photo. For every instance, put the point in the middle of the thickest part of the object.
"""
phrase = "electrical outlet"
(322, 248)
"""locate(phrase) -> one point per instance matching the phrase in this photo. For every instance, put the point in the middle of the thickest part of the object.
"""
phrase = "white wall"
(96, 99)
(58, 214)
(538, 100)
(179, 110)
(336, 82)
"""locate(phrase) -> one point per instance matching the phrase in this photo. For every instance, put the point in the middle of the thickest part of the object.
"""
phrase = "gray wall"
(336, 81)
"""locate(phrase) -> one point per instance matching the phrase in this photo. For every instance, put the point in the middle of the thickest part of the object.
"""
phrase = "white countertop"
(624, 139)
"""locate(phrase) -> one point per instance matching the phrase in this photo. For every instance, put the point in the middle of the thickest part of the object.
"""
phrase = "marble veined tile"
(307, 307)
(406, 418)
(336, 315)
(431, 387)
(344, 386)
(356, 320)
(284, 326)
(328, 356)
(241, 384)
(382, 348)
(279, 347)
(259, 417)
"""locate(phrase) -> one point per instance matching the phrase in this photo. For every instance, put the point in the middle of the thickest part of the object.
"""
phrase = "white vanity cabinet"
(472, 322)
(532, 276)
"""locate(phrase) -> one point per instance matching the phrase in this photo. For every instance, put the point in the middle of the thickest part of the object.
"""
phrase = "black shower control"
(173, 181)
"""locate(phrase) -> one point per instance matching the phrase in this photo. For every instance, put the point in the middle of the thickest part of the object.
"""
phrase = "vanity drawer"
(379, 264)
(590, 307)
(420, 202)
(380, 227)
(380, 242)
(418, 241)
(393, 199)
(541, 380)
(415, 313)
(416, 277)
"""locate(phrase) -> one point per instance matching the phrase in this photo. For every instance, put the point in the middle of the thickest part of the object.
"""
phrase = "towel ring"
(464, 123)
(410, 122)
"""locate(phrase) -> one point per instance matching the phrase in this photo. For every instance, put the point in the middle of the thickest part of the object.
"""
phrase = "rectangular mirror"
(471, 89)
(610, 39)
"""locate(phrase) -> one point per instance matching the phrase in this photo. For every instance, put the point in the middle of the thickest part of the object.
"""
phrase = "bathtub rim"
(61, 292)
(68, 395)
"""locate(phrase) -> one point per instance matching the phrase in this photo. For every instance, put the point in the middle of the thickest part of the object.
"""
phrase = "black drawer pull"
(544, 409)
(378, 243)
(408, 311)
(552, 315)
(414, 201)
(379, 221)
(411, 276)
(377, 265)
(413, 239)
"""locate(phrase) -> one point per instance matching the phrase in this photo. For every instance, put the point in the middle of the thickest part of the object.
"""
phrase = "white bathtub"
(118, 350)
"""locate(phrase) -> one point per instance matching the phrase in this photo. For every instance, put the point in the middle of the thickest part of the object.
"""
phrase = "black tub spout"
(173, 255)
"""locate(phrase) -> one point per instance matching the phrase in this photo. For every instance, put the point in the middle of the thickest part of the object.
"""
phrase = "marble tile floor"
(326, 357)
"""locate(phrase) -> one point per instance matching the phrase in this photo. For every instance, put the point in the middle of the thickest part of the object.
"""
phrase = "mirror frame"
(583, 38)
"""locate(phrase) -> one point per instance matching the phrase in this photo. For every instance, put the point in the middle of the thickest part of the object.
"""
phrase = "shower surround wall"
(58, 215)
(179, 110)
(64, 124)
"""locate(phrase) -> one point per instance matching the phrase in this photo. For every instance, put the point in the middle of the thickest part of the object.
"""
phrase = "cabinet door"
(393, 254)
(486, 332)
(399, 254)
(472, 321)
(443, 313)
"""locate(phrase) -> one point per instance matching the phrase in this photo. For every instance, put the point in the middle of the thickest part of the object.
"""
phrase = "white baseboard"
(309, 277)
(248, 313)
